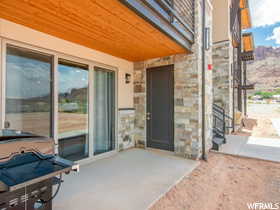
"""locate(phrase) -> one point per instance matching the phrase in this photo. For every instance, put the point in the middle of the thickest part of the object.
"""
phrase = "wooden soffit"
(245, 18)
(107, 26)
(243, 4)
(248, 42)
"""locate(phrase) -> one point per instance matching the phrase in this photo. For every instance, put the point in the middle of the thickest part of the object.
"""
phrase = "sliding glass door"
(28, 99)
(73, 110)
(73, 102)
(104, 110)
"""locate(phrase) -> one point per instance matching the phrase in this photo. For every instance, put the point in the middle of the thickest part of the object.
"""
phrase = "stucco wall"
(26, 35)
(221, 20)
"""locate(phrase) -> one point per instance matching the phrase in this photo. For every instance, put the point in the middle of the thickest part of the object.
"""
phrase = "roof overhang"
(248, 47)
(243, 4)
(107, 26)
(245, 14)
(248, 42)
(246, 22)
(241, 20)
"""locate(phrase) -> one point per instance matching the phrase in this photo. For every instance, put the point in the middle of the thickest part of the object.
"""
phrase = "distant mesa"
(265, 69)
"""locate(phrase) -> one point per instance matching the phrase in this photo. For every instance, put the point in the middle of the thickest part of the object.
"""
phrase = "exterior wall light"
(127, 78)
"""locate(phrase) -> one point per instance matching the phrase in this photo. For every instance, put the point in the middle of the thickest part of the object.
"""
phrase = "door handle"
(7, 124)
(148, 114)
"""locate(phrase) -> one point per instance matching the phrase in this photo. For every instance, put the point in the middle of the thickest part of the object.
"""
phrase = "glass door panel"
(28, 91)
(73, 110)
(104, 110)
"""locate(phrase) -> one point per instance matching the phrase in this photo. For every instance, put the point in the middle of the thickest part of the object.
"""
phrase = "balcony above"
(240, 18)
(135, 30)
(175, 18)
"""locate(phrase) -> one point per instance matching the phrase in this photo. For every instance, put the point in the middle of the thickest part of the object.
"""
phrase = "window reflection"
(28, 91)
(73, 110)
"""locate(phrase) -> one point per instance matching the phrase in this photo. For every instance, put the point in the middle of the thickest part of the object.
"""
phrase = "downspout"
(233, 90)
(204, 155)
(245, 84)
(239, 90)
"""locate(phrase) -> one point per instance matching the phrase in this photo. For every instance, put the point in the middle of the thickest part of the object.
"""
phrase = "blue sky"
(262, 34)
(30, 78)
(265, 15)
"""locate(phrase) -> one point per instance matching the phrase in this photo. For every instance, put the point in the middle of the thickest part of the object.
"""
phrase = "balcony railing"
(235, 25)
(185, 10)
(175, 18)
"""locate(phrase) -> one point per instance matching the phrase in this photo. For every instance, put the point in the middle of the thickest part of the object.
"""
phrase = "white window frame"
(57, 55)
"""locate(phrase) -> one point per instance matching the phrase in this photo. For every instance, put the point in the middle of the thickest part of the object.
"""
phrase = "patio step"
(217, 142)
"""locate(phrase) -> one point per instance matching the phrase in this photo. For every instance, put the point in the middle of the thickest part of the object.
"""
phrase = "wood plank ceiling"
(246, 19)
(104, 25)
(248, 42)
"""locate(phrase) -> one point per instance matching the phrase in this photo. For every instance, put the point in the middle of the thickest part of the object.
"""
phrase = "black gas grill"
(28, 171)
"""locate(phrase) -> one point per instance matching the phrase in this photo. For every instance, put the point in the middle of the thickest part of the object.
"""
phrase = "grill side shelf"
(58, 166)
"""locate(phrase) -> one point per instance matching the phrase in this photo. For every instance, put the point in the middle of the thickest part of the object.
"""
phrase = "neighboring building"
(69, 107)
(277, 97)
(257, 97)
(130, 71)
(231, 51)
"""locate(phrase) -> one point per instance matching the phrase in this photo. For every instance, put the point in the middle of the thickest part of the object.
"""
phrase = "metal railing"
(221, 122)
(235, 25)
(174, 17)
(180, 11)
(185, 10)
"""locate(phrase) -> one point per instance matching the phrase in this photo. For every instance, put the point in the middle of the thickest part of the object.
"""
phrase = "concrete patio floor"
(254, 147)
(130, 180)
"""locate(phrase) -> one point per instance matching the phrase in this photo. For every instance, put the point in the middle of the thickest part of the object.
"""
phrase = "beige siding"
(221, 20)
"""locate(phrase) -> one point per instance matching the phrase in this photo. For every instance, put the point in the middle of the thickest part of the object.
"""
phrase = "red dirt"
(259, 127)
(265, 129)
(248, 126)
(224, 183)
(249, 123)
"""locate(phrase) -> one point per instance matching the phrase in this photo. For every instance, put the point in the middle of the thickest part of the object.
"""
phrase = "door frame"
(55, 76)
(172, 104)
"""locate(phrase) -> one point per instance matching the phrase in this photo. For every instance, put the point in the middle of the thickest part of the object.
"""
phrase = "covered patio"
(133, 179)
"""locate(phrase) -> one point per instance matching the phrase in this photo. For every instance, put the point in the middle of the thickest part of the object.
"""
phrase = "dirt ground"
(260, 127)
(224, 183)
(39, 122)
(258, 123)
(264, 128)
(264, 110)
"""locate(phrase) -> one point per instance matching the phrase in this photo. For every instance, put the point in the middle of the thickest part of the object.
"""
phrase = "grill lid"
(29, 168)
(13, 142)
(26, 158)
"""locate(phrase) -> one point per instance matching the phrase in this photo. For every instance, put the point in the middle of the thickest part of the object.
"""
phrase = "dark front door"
(160, 107)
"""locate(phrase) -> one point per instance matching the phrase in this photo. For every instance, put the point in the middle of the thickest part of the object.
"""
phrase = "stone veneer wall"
(222, 76)
(187, 96)
(126, 130)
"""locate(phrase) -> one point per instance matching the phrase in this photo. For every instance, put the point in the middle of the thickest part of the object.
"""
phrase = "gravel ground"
(224, 183)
